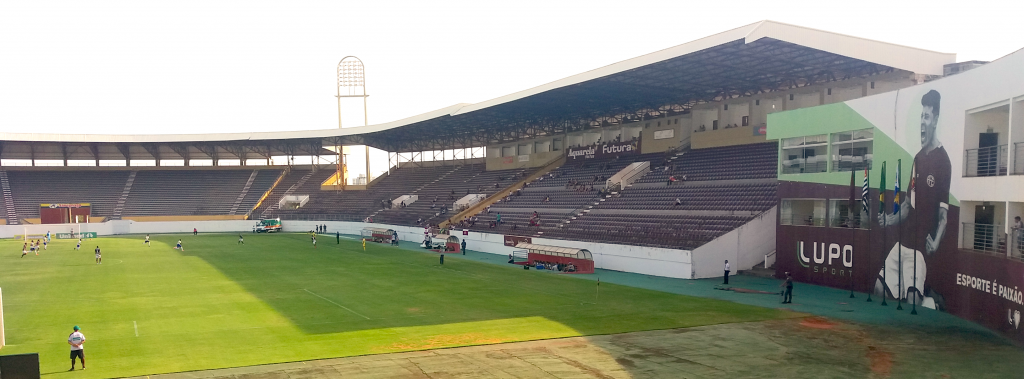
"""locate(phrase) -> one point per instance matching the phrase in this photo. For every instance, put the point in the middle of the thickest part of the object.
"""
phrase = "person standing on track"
(463, 246)
(787, 297)
(195, 232)
(76, 340)
(726, 272)
(99, 258)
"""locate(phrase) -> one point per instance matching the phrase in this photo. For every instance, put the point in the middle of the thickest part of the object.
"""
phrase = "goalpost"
(3, 342)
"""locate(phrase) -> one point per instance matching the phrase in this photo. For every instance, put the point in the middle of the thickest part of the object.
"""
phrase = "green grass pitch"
(218, 304)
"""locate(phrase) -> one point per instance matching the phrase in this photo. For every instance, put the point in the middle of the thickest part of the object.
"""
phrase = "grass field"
(149, 310)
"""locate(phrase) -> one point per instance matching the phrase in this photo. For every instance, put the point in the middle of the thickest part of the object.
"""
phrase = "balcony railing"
(804, 165)
(987, 238)
(802, 220)
(1018, 158)
(847, 163)
(985, 161)
(1017, 244)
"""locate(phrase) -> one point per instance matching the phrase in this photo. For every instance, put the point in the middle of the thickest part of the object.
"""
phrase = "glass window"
(852, 150)
(806, 212)
(805, 154)
(841, 217)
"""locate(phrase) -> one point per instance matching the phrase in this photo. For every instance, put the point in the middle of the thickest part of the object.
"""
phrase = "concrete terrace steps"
(11, 212)
(119, 208)
(241, 195)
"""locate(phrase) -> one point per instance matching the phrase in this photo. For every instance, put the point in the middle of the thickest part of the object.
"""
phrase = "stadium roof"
(759, 58)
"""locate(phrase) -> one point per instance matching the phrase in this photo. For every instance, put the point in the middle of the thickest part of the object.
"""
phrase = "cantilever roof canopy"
(763, 57)
(569, 252)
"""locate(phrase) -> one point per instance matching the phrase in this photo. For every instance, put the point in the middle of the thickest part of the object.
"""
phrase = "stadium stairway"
(9, 210)
(479, 207)
(291, 189)
(119, 208)
(245, 190)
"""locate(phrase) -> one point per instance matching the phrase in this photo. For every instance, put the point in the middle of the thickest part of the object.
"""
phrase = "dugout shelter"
(581, 258)
(380, 235)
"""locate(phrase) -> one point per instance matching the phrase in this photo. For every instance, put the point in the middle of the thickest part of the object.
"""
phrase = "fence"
(985, 161)
(802, 220)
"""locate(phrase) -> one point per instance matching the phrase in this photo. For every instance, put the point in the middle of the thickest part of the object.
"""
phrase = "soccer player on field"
(314, 241)
(179, 246)
(364, 244)
(24, 250)
(32, 248)
(240, 240)
(46, 242)
(79, 246)
(147, 241)
(99, 259)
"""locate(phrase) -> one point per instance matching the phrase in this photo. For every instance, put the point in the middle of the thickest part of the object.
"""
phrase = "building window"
(726, 106)
(757, 102)
(852, 150)
(804, 212)
(830, 92)
(746, 120)
(805, 154)
(872, 85)
(791, 95)
(714, 125)
(841, 217)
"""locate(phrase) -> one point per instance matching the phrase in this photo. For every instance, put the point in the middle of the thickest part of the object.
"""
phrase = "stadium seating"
(193, 192)
(100, 188)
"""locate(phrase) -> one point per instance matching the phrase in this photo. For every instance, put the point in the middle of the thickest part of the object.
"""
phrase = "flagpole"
(885, 233)
(853, 229)
(866, 203)
(899, 229)
(913, 183)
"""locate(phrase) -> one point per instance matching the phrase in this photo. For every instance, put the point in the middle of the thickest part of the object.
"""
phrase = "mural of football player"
(922, 216)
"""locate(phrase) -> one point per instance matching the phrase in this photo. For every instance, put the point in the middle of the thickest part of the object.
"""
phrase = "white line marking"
(136, 328)
(342, 306)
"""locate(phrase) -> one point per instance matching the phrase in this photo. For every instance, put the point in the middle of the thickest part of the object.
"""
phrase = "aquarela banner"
(604, 150)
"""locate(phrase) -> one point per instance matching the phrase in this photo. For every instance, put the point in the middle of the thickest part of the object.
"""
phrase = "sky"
(158, 67)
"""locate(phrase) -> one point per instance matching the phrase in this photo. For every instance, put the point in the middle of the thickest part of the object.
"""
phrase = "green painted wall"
(836, 118)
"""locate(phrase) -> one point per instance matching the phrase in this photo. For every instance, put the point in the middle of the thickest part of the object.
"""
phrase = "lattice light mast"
(352, 83)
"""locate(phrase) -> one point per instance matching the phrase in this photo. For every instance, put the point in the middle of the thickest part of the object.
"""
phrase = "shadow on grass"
(339, 287)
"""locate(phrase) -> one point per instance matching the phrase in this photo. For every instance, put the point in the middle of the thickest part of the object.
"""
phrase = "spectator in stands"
(497, 218)
(547, 199)
(671, 179)
(419, 220)
(514, 227)
(678, 202)
(402, 205)
(433, 205)
(493, 225)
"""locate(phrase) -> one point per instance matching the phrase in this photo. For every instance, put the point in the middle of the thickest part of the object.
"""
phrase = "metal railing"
(1017, 244)
(987, 238)
(1018, 158)
(985, 161)
(802, 220)
(797, 166)
(845, 222)
(315, 217)
(846, 164)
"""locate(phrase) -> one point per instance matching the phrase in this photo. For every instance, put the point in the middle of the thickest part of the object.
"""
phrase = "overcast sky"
(109, 67)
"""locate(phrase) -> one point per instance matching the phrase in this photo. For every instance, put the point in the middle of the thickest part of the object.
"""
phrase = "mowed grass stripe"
(219, 304)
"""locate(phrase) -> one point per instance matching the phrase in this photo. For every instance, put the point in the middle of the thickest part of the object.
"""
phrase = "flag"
(864, 195)
(853, 198)
(896, 188)
(881, 192)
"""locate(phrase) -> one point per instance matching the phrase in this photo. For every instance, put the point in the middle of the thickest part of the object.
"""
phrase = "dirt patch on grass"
(441, 342)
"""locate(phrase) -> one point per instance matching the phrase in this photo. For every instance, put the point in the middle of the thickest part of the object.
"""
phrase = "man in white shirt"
(76, 340)
(726, 272)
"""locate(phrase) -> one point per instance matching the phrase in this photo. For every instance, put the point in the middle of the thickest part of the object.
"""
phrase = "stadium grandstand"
(756, 150)
(694, 116)
(667, 150)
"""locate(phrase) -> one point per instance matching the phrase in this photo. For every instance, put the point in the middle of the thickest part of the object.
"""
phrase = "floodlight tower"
(352, 82)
